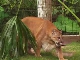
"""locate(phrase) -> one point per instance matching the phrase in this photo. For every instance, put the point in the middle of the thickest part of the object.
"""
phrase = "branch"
(70, 11)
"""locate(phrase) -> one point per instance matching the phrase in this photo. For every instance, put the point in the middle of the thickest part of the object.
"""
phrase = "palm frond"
(14, 38)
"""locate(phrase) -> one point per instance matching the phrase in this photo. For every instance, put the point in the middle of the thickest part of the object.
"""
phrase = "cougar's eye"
(52, 32)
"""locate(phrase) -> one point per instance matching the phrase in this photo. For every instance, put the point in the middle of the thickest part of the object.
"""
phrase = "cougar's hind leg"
(37, 52)
(29, 49)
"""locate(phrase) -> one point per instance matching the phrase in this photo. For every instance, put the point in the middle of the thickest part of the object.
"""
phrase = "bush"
(66, 24)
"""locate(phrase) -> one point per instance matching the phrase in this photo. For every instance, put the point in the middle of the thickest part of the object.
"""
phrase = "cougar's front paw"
(63, 59)
(38, 55)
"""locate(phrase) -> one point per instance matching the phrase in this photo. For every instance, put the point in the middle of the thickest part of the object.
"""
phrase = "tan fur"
(46, 34)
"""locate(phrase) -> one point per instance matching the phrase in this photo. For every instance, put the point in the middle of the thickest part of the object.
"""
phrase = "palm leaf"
(6, 38)
(14, 38)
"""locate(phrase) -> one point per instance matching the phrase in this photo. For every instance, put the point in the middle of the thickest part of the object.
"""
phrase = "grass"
(45, 56)
(73, 47)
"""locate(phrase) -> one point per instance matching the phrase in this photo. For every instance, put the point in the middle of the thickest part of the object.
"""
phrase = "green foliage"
(1, 9)
(14, 38)
(28, 7)
(73, 5)
(4, 2)
(77, 18)
(72, 1)
(29, 4)
(66, 24)
(2, 13)
(8, 45)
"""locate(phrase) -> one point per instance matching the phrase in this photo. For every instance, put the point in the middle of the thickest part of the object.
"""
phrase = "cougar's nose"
(59, 38)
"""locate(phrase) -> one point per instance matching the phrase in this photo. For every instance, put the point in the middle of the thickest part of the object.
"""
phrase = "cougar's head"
(52, 40)
(56, 37)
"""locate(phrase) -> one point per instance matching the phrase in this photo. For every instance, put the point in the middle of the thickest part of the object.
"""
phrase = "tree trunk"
(44, 9)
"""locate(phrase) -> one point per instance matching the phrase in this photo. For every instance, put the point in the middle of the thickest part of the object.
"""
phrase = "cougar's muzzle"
(59, 43)
(56, 36)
